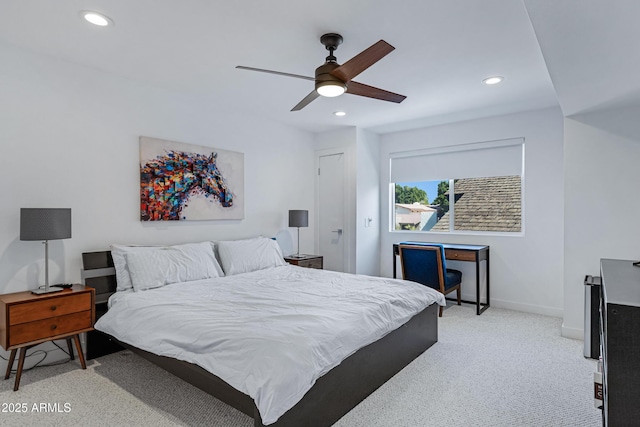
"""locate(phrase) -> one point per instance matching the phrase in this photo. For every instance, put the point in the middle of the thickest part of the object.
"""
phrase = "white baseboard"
(566, 332)
(573, 333)
(527, 308)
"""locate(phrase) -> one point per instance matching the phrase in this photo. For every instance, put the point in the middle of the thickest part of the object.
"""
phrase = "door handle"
(339, 231)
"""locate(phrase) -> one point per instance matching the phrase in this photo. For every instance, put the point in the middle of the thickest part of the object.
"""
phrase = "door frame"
(349, 211)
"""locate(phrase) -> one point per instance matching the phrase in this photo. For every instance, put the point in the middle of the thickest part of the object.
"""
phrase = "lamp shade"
(45, 223)
(298, 218)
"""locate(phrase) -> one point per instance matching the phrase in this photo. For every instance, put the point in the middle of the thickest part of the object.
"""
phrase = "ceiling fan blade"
(306, 101)
(356, 88)
(362, 61)
(242, 67)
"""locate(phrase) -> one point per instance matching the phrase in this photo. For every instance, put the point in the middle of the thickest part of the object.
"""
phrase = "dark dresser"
(620, 340)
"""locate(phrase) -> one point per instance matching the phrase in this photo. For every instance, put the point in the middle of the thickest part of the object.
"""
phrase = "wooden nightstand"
(309, 261)
(27, 320)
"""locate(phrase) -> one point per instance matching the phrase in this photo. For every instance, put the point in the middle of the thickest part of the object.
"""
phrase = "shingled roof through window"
(486, 204)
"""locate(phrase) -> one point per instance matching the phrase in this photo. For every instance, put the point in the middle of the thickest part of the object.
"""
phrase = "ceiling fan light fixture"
(330, 89)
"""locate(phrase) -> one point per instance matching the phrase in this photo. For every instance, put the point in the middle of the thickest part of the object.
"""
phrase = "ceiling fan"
(333, 79)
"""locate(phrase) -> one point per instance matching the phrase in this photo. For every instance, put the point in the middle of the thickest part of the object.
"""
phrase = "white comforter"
(271, 333)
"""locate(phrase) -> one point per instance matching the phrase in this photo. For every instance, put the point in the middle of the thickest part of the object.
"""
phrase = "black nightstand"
(308, 261)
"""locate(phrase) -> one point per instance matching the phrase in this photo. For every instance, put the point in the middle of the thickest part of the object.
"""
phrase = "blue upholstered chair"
(426, 264)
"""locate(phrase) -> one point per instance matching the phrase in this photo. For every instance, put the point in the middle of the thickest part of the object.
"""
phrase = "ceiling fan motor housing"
(325, 78)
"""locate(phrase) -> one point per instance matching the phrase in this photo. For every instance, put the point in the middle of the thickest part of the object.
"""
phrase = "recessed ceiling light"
(339, 113)
(494, 80)
(96, 18)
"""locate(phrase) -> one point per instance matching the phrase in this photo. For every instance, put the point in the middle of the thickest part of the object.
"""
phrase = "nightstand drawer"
(47, 328)
(50, 307)
(311, 263)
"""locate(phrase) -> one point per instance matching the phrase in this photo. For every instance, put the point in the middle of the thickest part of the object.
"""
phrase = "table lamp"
(298, 219)
(45, 224)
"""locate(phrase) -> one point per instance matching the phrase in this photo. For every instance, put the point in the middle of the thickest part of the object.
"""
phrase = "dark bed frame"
(333, 395)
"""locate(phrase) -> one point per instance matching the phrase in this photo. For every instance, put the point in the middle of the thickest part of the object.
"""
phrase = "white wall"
(69, 138)
(602, 183)
(526, 271)
(368, 203)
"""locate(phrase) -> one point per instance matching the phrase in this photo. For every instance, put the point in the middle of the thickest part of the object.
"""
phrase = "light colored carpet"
(502, 368)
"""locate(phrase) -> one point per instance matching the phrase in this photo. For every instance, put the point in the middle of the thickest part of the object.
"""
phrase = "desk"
(456, 252)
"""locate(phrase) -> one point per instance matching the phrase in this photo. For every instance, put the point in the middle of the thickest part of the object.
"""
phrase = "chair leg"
(440, 312)
(459, 299)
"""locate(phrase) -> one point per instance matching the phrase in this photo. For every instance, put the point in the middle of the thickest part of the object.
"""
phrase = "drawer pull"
(54, 327)
(53, 308)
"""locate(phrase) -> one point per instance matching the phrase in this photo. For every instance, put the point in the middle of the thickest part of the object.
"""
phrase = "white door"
(331, 210)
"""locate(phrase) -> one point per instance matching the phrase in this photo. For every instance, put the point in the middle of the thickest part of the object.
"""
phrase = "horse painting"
(167, 182)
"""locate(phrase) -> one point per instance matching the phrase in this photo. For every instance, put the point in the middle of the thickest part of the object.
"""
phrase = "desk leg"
(76, 338)
(394, 265)
(23, 351)
(12, 357)
(477, 284)
(488, 276)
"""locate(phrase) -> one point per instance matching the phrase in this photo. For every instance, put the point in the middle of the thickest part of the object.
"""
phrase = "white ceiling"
(591, 50)
(443, 51)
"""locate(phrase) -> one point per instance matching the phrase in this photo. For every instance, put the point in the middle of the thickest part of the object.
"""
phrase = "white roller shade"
(484, 159)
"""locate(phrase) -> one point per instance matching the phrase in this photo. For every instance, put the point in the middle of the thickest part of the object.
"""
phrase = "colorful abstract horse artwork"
(168, 181)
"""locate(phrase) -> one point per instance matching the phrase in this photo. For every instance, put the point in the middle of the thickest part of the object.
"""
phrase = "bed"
(286, 345)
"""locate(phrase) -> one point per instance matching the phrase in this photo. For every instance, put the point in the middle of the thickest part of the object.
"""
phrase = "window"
(416, 206)
(465, 188)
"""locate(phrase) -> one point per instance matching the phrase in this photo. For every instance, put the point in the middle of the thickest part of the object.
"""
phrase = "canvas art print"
(184, 182)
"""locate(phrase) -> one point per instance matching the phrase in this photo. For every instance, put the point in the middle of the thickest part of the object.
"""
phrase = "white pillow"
(173, 264)
(244, 256)
(118, 253)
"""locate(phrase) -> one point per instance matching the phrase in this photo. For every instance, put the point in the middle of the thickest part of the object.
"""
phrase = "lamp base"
(49, 290)
(297, 256)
